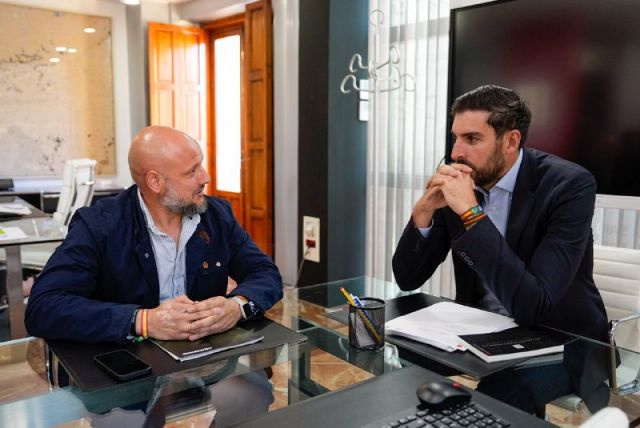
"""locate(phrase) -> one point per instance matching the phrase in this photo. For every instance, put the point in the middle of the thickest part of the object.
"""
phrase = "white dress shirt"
(171, 262)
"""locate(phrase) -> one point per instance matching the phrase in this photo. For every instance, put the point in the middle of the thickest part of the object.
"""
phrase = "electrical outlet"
(311, 238)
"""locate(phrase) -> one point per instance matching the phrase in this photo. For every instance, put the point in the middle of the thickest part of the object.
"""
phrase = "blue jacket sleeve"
(61, 304)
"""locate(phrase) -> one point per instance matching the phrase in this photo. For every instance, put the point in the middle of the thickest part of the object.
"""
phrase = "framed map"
(56, 91)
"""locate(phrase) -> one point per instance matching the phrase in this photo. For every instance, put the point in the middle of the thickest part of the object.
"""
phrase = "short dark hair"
(507, 110)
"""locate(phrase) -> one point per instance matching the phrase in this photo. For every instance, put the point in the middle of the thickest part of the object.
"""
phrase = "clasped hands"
(452, 186)
(182, 318)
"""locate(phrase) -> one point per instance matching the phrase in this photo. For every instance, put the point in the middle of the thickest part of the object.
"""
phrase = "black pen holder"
(366, 324)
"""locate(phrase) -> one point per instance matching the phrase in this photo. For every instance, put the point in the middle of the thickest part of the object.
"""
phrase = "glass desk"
(291, 373)
(39, 228)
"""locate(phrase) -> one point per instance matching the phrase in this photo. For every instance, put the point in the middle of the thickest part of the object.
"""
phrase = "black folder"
(77, 358)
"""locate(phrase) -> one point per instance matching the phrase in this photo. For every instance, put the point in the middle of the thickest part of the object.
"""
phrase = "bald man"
(161, 246)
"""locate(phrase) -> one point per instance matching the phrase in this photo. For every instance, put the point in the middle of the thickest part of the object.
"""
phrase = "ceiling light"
(72, 50)
(131, 2)
(89, 30)
(54, 60)
(61, 49)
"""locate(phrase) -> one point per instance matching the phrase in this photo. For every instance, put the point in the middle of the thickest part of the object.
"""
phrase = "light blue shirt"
(171, 262)
(497, 203)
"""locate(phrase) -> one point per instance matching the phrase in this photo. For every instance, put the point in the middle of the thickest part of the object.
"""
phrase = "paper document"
(15, 208)
(440, 324)
(10, 233)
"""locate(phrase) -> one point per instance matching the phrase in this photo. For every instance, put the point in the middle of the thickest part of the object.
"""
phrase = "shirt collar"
(151, 225)
(508, 181)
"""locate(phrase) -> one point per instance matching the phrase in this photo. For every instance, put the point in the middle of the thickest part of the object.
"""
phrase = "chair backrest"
(77, 188)
(616, 272)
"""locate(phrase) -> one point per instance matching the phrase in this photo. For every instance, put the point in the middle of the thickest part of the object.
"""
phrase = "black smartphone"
(122, 365)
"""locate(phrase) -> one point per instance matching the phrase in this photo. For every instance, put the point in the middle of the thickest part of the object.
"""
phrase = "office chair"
(616, 272)
(77, 191)
(610, 417)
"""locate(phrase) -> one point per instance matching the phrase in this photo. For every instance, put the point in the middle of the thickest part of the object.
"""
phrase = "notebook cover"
(517, 342)
(185, 350)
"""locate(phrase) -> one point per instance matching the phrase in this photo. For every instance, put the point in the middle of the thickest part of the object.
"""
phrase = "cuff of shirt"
(424, 231)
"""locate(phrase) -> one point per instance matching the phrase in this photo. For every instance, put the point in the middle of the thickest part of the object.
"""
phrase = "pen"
(357, 300)
(361, 306)
(362, 315)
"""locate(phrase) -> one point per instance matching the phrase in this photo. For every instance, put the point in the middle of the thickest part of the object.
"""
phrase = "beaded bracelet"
(474, 220)
(471, 212)
(472, 216)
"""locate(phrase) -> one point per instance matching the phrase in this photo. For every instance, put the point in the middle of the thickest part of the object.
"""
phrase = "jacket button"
(463, 254)
(146, 255)
(218, 264)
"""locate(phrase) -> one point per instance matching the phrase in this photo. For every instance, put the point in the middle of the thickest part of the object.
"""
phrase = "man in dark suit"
(518, 222)
(155, 260)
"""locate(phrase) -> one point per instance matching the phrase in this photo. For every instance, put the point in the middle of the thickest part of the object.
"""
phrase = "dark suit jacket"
(105, 269)
(542, 273)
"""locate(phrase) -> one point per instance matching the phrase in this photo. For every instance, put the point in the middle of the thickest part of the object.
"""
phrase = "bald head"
(157, 148)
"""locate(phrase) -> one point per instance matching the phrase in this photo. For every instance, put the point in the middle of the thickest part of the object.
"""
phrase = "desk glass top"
(288, 374)
(37, 226)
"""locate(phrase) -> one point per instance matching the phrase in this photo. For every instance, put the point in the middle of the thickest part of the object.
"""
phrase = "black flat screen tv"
(576, 62)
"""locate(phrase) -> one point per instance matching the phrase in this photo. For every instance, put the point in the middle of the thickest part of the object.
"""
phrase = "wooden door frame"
(257, 101)
(225, 27)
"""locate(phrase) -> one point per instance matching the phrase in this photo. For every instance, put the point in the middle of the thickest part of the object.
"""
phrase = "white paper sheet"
(440, 324)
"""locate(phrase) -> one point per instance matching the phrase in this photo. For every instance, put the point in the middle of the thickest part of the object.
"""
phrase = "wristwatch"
(248, 309)
(132, 327)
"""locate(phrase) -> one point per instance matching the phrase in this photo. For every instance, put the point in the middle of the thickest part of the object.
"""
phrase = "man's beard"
(171, 200)
(489, 174)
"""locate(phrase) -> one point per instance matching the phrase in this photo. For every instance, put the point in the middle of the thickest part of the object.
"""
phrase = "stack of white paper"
(440, 324)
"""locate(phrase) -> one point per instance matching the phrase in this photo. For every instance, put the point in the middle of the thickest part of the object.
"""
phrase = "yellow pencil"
(362, 315)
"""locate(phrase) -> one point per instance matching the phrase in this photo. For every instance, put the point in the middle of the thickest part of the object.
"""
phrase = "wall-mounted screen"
(576, 62)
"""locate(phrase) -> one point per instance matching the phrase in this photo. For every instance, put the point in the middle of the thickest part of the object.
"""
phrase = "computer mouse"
(442, 394)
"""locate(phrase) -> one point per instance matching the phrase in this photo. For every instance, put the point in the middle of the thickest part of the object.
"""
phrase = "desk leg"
(14, 292)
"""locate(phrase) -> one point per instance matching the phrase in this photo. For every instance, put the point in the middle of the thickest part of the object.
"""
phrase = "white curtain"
(407, 126)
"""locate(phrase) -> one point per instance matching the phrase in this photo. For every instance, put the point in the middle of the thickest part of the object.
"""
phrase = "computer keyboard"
(468, 415)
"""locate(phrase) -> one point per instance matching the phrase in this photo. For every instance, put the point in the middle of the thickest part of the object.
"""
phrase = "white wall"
(286, 23)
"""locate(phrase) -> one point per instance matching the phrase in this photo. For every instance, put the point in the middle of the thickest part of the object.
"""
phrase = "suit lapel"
(144, 252)
(523, 198)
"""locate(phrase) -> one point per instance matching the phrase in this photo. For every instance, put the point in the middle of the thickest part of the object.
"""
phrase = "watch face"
(248, 309)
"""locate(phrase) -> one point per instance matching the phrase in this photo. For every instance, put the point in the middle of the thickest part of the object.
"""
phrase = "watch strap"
(242, 302)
